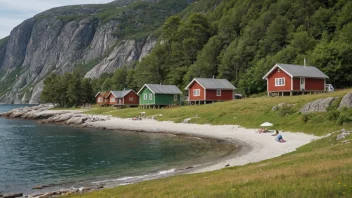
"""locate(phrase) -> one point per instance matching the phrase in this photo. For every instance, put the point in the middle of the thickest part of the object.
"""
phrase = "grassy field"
(248, 113)
(320, 169)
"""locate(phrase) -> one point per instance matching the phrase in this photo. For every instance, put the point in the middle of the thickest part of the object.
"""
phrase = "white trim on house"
(175, 97)
(196, 92)
(191, 84)
(267, 86)
(205, 94)
(100, 99)
(112, 99)
(145, 97)
(325, 85)
(150, 96)
(272, 69)
(145, 85)
(218, 92)
(279, 82)
(291, 84)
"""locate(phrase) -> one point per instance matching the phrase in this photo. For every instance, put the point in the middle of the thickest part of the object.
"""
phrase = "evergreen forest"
(240, 40)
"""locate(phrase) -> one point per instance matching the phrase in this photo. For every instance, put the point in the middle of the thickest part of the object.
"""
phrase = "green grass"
(320, 169)
(248, 113)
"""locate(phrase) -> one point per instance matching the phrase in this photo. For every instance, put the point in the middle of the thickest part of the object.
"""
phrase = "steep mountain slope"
(92, 38)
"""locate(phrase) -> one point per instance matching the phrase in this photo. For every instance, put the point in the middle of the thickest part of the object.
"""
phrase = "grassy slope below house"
(320, 169)
(248, 113)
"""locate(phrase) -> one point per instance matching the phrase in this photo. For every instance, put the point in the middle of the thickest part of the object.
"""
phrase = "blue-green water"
(35, 154)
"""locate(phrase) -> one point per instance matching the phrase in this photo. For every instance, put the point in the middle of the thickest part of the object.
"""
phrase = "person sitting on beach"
(261, 130)
(135, 118)
(279, 137)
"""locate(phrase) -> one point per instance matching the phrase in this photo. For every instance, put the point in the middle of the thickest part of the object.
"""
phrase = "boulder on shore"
(320, 105)
(346, 101)
(13, 195)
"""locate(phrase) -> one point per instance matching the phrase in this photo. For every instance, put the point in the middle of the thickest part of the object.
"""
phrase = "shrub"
(333, 115)
(306, 118)
(285, 110)
(345, 116)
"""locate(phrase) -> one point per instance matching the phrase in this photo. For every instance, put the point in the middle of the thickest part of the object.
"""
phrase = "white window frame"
(150, 96)
(100, 99)
(218, 92)
(175, 97)
(196, 92)
(112, 99)
(131, 98)
(145, 97)
(279, 82)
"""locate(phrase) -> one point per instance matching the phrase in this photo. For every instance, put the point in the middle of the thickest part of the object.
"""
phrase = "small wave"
(166, 171)
(131, 179)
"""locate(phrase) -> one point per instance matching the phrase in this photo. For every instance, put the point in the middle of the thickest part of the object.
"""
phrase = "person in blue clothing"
(279, 137)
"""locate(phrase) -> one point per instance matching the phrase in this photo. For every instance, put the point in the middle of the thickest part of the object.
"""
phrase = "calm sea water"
(35, 154)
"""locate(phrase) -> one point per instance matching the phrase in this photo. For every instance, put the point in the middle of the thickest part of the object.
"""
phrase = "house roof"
(161, 89)
(211, 83)
(105, 94)
(298, 71)
(120, 94)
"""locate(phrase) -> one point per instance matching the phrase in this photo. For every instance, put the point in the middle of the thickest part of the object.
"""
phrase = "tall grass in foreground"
(320, 169)
(248, 113)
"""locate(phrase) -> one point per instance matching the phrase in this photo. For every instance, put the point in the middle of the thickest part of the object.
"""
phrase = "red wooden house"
(286, 79)
(123, 98)
(204, 90)
(101, 99)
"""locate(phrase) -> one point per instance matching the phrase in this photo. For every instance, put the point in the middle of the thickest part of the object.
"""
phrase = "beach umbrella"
(266, 124)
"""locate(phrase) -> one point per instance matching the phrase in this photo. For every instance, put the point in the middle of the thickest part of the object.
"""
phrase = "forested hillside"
(240, 40)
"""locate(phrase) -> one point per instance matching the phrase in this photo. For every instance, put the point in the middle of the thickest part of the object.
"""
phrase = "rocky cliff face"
(61, 39)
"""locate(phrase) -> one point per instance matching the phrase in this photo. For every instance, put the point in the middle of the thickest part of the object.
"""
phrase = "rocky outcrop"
(320, 105)
(43, 114)
(60, 39)
(346, 101)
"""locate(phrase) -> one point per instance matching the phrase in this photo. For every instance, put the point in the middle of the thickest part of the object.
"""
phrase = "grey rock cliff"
(346, 101)
(320, 105)
(53, 42)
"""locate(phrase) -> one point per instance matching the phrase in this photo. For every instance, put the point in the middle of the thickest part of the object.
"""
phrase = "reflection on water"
(33, 154)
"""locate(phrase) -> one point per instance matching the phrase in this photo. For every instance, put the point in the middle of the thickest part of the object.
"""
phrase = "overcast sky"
(13, 12)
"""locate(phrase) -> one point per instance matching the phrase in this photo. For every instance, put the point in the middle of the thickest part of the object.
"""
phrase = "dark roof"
(299, 71)
(121, 94)
(211, 83)
(161, 89)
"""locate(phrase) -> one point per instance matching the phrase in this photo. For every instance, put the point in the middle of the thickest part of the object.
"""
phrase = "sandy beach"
(253, 147)
(250, 145)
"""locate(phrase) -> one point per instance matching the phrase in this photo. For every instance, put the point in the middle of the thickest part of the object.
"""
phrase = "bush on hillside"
(306, 117)
(345, 116)
(286, 110)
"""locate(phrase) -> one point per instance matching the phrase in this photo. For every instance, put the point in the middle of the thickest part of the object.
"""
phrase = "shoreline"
(250, 146)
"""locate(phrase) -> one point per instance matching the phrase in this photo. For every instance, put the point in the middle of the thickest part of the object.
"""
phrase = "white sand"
(255, 147)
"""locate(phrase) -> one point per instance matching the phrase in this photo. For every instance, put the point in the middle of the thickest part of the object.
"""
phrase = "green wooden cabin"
(156, 96)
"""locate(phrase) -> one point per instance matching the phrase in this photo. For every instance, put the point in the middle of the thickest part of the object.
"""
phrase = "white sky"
(13, 12)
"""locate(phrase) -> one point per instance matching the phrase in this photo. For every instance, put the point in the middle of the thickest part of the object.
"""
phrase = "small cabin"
(156, 96)
(101, 99)
(125, 98)
(209, 90)
(287, 79)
